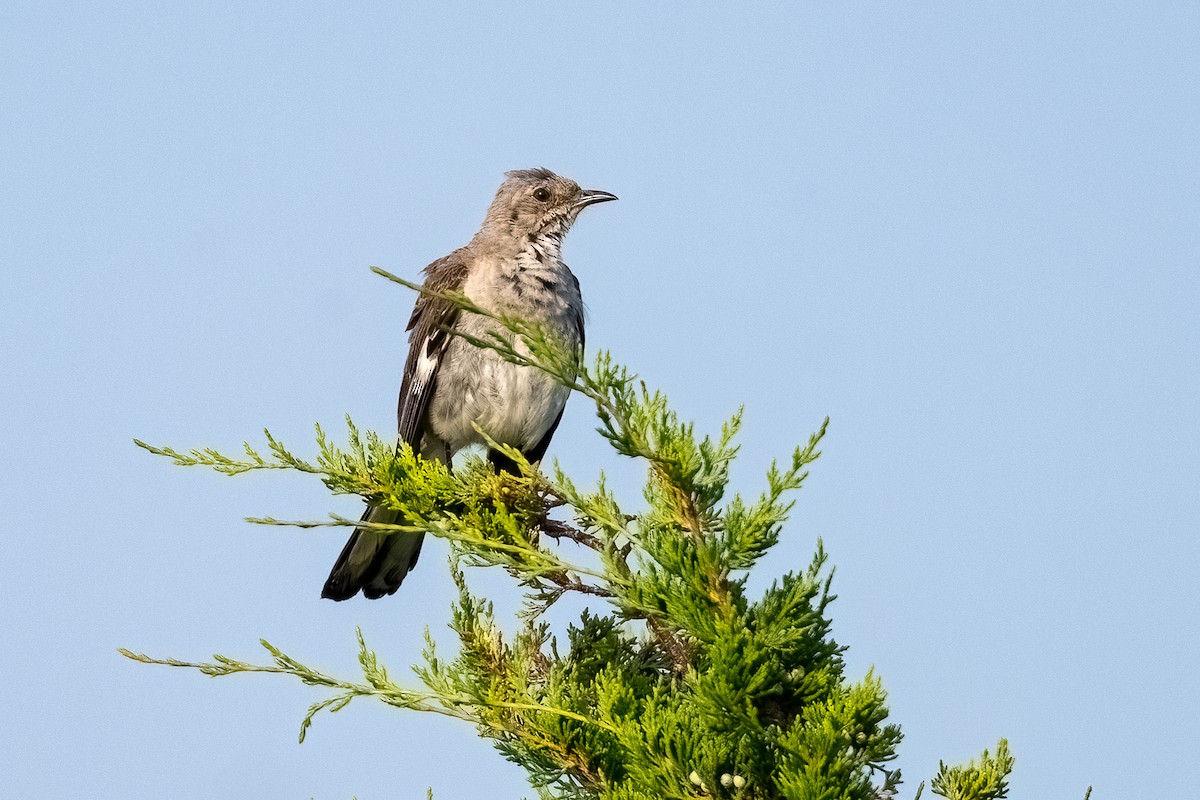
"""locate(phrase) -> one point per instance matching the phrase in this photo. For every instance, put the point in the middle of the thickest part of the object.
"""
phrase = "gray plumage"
(512, 266)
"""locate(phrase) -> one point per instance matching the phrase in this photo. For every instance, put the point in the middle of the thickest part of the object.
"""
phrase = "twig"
(561, 530)
(677, 650)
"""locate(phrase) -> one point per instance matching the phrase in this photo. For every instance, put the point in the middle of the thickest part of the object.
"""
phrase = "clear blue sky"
(966, 231)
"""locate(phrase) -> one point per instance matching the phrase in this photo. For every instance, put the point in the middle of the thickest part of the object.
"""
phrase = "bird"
(451, 391)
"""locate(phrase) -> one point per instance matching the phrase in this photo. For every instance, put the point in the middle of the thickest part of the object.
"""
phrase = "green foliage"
(987, 780)
(683, 685)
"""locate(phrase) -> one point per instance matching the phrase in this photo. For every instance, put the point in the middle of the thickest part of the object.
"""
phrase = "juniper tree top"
(674, 682)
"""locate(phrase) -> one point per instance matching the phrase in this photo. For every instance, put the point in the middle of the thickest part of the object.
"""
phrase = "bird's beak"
(588, 197)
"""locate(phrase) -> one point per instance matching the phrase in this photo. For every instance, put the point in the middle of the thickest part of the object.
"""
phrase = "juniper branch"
(377, 685)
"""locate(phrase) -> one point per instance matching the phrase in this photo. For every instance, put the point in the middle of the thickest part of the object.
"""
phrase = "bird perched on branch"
(513, 266)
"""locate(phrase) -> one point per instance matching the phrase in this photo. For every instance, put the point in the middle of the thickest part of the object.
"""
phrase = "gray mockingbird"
(513, 267)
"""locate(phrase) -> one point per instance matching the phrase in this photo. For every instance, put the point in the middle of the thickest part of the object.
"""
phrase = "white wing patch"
(426, 364)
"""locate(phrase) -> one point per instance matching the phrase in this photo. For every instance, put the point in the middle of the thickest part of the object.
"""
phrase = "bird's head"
(536, 203)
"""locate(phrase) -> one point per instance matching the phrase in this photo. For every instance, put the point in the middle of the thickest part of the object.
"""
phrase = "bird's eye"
(541, 195)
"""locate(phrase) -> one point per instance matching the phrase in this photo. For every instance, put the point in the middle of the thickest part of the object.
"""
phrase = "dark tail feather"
(375, 563)
(343, 582)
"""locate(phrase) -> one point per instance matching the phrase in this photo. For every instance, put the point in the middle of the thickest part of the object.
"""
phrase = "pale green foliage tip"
(986, 780)
(681, 685)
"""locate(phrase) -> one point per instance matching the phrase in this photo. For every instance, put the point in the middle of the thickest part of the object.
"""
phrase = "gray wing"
(377, 563)
(427, 344)
(578, 321)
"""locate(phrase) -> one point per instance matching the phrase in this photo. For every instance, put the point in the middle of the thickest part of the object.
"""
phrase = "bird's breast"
(534, 284)
(514, 405)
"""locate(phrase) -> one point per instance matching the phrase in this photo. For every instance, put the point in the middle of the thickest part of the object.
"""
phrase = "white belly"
(513, 405)
(517, 405)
